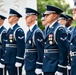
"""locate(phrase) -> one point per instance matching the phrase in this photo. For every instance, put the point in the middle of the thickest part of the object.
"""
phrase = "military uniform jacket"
(69, 31)
(34, 49)
(14, 45)
(2, 36)
(55, 49)
(73, 52)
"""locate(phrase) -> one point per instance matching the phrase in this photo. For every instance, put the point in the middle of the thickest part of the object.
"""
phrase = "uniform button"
(25, 56)
(71, 44)
(71, 59)
(45, 42)
(44, 56)
(5, 51)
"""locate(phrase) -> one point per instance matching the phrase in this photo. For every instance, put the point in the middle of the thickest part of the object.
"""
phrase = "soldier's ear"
(34, 17)
(55, 16)
(16, 18)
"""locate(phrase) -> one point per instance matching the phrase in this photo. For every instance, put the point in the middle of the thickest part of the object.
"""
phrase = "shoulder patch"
(19, 29)
(61, 28)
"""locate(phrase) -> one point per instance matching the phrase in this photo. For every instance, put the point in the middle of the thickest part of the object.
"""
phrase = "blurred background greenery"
(59, 3)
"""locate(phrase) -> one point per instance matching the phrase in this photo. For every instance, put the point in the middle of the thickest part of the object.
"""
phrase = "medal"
(11, 41)
(51, 42)
(51, 39)
(50, 35)
(10, 35)
(29, 41)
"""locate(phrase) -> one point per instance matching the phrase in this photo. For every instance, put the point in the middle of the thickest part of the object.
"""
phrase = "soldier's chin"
(74, 17)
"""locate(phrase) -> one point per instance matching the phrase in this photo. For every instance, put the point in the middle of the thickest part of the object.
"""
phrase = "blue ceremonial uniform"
(14, 45)
(55, 49)
(73, 52)
(14, 49)
(2, 33)
(34, 49)
(55, 44)
(34, 46)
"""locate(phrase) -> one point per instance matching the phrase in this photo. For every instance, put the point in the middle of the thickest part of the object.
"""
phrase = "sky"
(70, 2)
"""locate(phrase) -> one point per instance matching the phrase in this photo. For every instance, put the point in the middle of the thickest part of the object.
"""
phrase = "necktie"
(47, 30)
(8, 30)
(28, 33)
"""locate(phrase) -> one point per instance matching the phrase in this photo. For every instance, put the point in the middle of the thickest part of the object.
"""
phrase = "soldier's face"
(74, 13)
(44, 22)
(1, 21)
(30, 19)
(62, 22)
(11, 19)
(50, 18)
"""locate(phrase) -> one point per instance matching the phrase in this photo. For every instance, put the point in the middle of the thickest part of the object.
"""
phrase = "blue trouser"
(49, 73)
(12, 70)
(31, 72)
(2, 71)
(65, 71)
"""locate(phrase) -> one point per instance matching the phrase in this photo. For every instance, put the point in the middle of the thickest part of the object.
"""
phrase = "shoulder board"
(59, 27)
(37, 30)
(15, 32)
(3, 31)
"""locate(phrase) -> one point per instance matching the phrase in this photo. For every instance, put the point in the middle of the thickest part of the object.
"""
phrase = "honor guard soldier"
(43, 20)
(69, 23)
(2, 36)
(55, 47)
(15, 45)
(34, 44)
(73, 44)
(62, 19)
(69, 30)
(68, 26)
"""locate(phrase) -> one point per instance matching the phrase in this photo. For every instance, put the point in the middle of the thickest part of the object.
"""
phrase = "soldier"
(43, 20)
(69, 30)
(14, 45)
(69, 23)
(68, 26)
(44, 23)
(55, 47)
(73, 44)
(34, 44)
(2, 36)
(62, 19)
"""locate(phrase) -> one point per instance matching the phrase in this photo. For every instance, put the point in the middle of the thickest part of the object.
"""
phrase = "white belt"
(11, 45)
(30, 50)
(72, 53)
(51, 51)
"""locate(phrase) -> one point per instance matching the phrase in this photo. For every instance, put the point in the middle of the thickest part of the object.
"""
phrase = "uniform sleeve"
(40, 48)
(20, 39)
(61, 37)
(3, 40)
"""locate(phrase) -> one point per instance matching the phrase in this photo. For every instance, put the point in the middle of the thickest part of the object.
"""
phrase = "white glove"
(17, 64)
(58, 73)
(2, 65)
(69, 67)
(38, 71)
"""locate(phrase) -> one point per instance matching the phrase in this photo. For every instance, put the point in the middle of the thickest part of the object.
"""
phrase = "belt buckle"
(26, 50)
(45, 51)
(71, 53)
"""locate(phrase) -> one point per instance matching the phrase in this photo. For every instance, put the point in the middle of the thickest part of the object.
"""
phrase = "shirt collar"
(12, 26)
(0, 26)
(52, 24)
(31, 27)
(69, 27)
